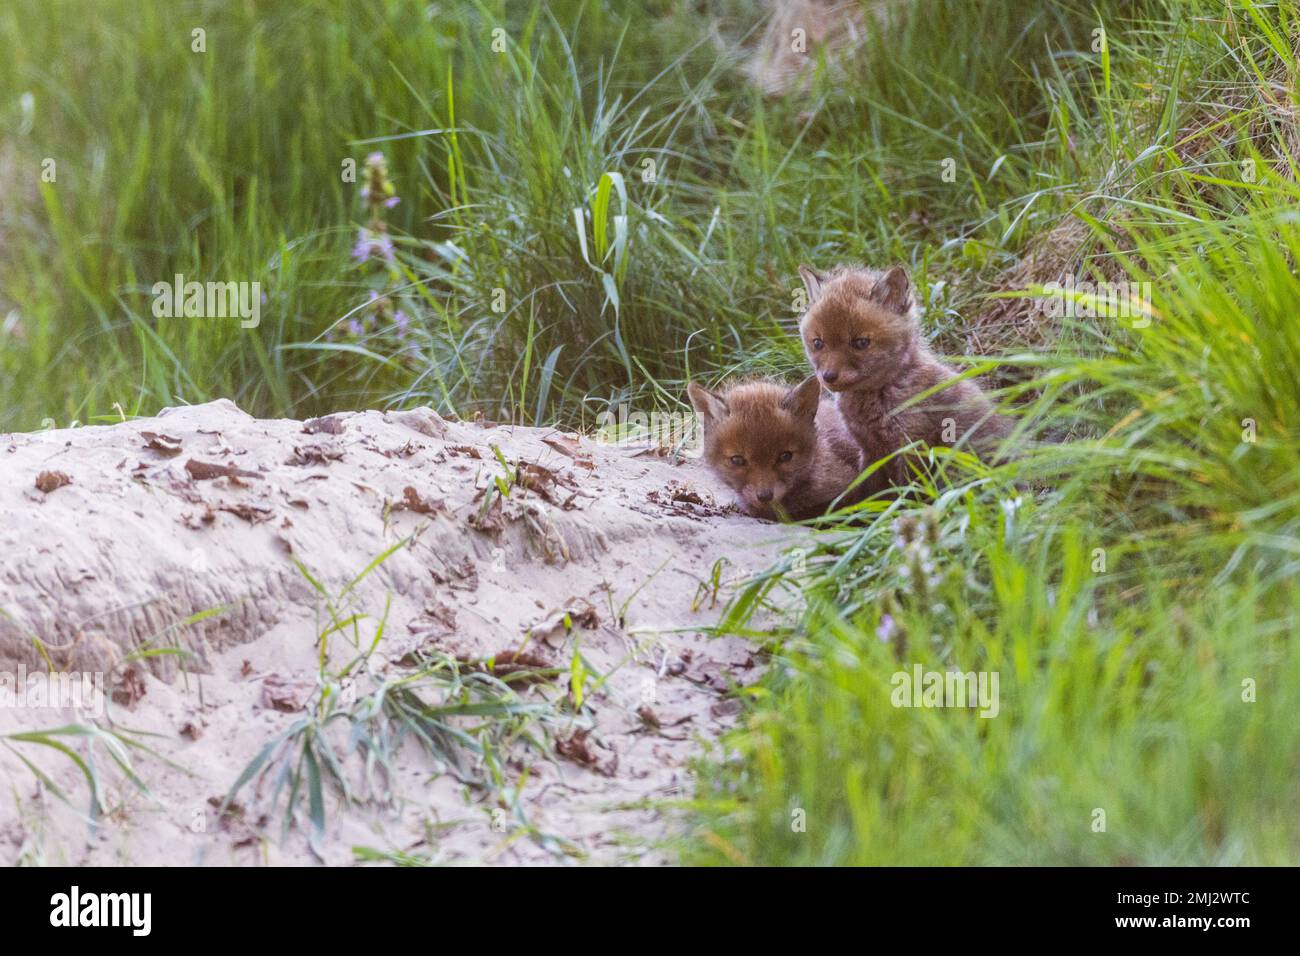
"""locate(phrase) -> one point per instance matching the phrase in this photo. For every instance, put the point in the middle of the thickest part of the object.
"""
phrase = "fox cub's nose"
(765, 495)
(829, 375)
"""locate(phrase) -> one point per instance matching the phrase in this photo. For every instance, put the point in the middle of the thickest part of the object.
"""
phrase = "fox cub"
(864, 342)
(785, 453)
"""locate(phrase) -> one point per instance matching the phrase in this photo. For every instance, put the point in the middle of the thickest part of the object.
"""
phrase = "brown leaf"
(537, 479)
(288, 694)
(651, 451)
(402, 451)
(565, 446)
(681, 499)
(165, 445)
(441, 612)
(253, 514)
(505, 663)
(47, 481)
(314, 454)
(128, 687)
(198, 522)
(413, 501)
(206, 470)
(462, 576)
(577, 749)
(232, 817)
(542, 481)
(489, 520)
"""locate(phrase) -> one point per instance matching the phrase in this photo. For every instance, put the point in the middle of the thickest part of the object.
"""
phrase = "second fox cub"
(862, 337)
(782, 452)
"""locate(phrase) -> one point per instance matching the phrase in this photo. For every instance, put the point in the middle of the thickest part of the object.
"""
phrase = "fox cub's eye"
(785, 456)
(817, 345)
(861, 342)
(738, 461)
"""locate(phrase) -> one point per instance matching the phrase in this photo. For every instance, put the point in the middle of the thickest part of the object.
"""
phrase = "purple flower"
(402, 322)
(361, 250)
(887, 628)
(392, 201)
(355, 328)
(372, 244)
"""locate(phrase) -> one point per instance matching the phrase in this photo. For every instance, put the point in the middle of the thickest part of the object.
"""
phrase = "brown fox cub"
(862, 337)
(784, 452)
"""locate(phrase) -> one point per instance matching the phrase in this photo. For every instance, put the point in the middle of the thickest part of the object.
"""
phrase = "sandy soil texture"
(525, 569)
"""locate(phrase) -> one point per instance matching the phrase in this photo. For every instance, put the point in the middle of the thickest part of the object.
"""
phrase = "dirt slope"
(111, 538)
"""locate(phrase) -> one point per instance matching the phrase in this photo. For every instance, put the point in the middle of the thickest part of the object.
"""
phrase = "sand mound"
(114, 539)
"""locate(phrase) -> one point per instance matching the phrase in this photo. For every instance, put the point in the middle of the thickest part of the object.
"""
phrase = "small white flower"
(886, 629)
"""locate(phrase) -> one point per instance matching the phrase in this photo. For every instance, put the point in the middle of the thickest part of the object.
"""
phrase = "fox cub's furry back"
(784, 452)
(863, 339)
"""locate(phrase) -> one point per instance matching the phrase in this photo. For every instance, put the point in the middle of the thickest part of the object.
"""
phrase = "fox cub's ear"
(711, 407)
(801, 401)
(893, 291)
(812, 281)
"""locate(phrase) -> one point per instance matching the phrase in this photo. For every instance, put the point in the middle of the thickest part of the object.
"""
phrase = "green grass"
(1137, 604)
(462, 719)
(539, 275)
(172, 172)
